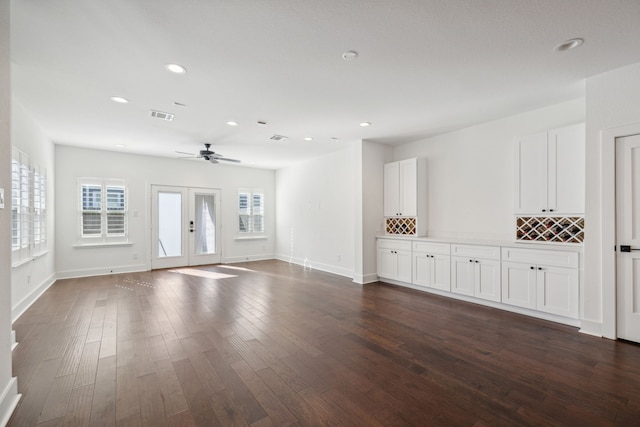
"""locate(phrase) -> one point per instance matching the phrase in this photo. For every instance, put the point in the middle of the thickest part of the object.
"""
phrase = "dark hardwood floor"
(269, 343)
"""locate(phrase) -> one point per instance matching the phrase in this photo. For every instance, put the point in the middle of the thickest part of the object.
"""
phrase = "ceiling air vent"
(278, 138)
(162, 115)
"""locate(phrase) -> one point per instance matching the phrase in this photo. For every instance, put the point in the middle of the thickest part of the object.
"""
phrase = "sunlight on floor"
(202, 273)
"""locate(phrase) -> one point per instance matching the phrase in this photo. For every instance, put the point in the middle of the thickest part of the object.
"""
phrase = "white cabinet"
(542, 280)
(394, 259)
(401, 188)
(550, 172)
(432, 265)
(475, 271)
(405, 192)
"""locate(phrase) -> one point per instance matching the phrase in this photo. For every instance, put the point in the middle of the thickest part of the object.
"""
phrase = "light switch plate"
(1, 198)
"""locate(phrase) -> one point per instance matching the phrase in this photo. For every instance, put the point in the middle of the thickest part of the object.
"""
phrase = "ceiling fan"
(209, 155)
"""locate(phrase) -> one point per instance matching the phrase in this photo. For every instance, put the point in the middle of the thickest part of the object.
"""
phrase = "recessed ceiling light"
(308, 138)
(350, 55)
(232, 123)
(119, 100)
(365, 124)
(569, 44)
(176, 68)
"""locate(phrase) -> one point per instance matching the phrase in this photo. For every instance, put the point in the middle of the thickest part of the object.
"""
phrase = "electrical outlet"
(135, 255)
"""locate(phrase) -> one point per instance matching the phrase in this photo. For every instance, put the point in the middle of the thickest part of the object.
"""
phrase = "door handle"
(627, 248)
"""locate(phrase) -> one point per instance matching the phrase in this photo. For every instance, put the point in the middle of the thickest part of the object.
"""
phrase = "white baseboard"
(8, 401)
(25, 303)
(74, 274)
(313, 265)
(245, 258)
(364, 279)
(591, 327)
(14, 343)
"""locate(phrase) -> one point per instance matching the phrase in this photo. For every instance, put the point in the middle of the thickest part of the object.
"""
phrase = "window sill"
(259, 237)
(101, 245)
(29, 259)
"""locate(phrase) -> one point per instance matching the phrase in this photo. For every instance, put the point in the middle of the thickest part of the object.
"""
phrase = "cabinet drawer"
(473, 251)
(541, 257)
(399, 245)
(432, 247)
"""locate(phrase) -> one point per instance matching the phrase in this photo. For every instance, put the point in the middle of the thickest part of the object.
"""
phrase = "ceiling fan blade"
(214, 160)
(182, 152)
(228, 160)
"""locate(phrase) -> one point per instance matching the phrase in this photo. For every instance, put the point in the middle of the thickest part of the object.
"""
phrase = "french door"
(628, 237)
(185, 226)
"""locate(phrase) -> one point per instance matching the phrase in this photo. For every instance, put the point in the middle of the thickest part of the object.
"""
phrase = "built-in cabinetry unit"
(544, 280)
(550, 172)
(541, 281)
(405, 197)
(432, 265)
(394, 259)
(475, 271)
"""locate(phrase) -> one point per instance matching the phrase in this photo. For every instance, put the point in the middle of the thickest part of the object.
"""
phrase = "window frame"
(28, 208)
(250, 211)
(96, 200)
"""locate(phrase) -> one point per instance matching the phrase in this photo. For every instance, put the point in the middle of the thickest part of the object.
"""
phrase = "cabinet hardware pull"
(477, 261)
(539, 268)
(550, 210)
(532, 267)
(544, 210)
(470, 260)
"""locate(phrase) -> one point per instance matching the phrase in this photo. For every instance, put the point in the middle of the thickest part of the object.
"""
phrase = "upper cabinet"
(405, 196)
(550, 172)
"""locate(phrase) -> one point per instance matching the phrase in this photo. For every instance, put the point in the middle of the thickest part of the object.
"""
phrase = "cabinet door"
(387, 263)
(462, 275)
(519, 284)
(487, 283)
(403, 271)
(408, 187)
(422, 269)
(441, 272)
(566, 153)
(531, 174)
(391, 189)
(558, 291)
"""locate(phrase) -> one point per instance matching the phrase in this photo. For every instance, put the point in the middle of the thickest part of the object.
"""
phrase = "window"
(28, 208)
(103, 208)
(250, 211)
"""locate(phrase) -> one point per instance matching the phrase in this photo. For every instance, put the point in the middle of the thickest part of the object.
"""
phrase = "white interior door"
(628, 234)
(185, 226)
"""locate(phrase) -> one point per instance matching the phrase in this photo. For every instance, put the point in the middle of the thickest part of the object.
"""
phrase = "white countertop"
(574, 247)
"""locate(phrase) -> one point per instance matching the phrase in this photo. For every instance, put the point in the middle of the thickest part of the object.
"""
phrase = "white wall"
(471, 171)
(8, 384)
(141, 172)
(369, 219)
(315, 212)
(613, 101)
(30, 280)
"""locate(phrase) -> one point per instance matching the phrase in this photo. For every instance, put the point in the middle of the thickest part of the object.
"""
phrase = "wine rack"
(550, 229)
(404, 226)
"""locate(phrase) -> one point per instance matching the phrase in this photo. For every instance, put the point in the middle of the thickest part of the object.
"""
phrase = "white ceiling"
(424, 67)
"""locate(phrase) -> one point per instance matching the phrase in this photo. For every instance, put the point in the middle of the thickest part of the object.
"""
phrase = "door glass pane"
(205, 226)
(169, 224)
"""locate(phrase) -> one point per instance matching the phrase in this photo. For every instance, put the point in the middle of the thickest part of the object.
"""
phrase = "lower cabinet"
(538, 279)
(475, 271)
(394, 260)
(542, 280)
(432, 265)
